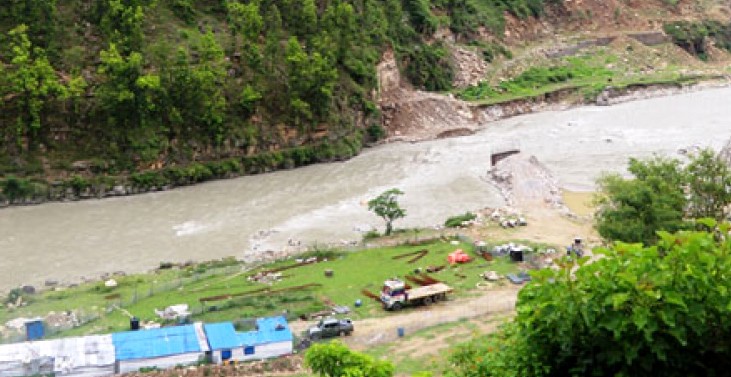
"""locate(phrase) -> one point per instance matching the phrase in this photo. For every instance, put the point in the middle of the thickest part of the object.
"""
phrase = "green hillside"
(150, 94)
(123, 86)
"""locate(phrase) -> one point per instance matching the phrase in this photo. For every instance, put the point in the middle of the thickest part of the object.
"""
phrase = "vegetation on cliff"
(129, 86)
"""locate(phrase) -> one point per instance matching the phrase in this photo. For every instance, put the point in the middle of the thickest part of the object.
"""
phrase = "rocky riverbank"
(417, 116)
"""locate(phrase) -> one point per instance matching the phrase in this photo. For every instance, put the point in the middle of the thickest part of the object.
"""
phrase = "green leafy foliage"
(456, 221)
(32, 83)
(292, 75)
(387, 207)
(634, 210)
(334, 359)
(537, 77)
(429, 67)
(14, 188)
(691, 36)
(663, 195)
(660, 310)
(709, 180)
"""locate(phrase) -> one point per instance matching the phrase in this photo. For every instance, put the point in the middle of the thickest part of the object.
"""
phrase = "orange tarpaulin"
(458, 256)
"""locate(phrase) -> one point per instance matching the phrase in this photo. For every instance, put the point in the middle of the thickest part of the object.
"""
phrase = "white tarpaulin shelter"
(87, 356)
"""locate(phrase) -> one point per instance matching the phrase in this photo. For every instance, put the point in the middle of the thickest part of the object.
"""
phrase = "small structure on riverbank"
(161, 348)
(85, 356)
(272, 338)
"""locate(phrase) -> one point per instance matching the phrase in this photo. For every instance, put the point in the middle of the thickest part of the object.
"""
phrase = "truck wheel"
(396, 306)
(427, 301)
(438, 298)
(343, 333)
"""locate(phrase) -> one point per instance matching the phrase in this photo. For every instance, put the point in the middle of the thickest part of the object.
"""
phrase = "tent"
(458, 256)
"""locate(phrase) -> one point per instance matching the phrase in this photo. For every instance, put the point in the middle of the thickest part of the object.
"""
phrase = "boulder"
(28, 289)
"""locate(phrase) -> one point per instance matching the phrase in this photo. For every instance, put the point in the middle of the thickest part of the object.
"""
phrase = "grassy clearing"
(140, 295)
(427, 349)
(586, 75)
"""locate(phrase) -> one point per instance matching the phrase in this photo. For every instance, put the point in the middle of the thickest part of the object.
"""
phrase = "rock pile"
(523, 181)
(470, 67)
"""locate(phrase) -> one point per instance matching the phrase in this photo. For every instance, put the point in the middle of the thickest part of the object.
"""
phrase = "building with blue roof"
(272, 338)
(161, 348)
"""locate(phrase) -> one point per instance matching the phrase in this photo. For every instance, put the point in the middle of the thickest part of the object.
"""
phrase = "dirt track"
(373, 331)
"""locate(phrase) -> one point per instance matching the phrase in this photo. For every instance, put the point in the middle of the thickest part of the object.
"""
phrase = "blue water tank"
(34, 330)
(400, 332)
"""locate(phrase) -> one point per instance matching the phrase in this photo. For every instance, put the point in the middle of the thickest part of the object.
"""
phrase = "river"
(326, 203)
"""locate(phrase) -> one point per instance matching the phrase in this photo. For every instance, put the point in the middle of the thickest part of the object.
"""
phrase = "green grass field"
(140, 295)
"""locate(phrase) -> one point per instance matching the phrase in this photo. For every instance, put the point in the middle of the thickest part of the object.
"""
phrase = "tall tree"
(709, 186)
(32, 84)
(121, 21)
(210, 75)
(128, 97)
(246, 21)
(39, 16)
(387, 207)
(634, 210)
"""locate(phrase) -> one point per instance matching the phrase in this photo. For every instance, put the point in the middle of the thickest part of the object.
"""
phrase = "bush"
(637, 311)
(429, 67)
(371, 234)
(14, 188)
(78, 184)
(691, 36)
(536, 78)
(457, 221)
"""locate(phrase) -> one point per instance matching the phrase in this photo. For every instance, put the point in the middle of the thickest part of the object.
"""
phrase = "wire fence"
(79, 317)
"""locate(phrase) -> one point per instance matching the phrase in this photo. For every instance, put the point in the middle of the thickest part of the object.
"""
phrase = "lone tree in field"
(386, 206)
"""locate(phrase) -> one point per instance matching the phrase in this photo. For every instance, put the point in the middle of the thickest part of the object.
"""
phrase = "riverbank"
(470, 117)
(230, 290)
(83, 186)
(322, 204)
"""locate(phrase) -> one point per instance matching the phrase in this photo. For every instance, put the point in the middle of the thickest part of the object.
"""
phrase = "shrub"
(371, 234)
(14, 188)
(78, 184)
(457, 221)
(637, 311)
(429, 67)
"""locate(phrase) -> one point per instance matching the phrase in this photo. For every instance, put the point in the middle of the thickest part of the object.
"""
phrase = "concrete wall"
(262, 351)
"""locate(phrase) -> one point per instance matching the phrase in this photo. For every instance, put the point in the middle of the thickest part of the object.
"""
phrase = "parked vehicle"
(395, 296)
(330, 327)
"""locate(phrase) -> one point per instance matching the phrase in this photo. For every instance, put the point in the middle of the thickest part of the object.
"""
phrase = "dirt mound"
(524, 181)
(470, 67)
(412, 115)
(415, 115)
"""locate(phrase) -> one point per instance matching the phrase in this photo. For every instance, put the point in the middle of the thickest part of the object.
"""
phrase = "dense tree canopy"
(168, 83)
(664, 194)
(637, 311)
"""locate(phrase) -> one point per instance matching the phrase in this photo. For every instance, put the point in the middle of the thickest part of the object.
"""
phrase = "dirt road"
(373, 331)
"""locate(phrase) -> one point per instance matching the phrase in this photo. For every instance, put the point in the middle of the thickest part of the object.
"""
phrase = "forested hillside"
(158, 93)
(123, 86)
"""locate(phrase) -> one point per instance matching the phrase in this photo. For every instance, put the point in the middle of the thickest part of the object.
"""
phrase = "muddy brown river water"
(325, 203)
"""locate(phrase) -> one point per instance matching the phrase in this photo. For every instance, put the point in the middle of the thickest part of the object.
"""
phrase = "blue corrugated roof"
(268, 329)
(221, 335)
(165, 341)
(224, 336)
